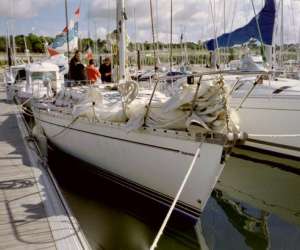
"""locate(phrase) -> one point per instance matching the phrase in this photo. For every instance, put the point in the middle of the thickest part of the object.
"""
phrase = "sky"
(193, 18)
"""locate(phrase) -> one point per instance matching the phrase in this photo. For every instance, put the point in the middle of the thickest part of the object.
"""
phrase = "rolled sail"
(265, 21)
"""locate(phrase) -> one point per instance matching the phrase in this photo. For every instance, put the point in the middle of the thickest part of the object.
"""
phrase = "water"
(256, 205)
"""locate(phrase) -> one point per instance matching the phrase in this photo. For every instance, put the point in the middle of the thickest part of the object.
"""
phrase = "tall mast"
(12, 30)
(224, 15)
(171, 37)
(67, 25)
(281, 35)
(26, 50)
(121, 17)
(153, 36)
(8, 46)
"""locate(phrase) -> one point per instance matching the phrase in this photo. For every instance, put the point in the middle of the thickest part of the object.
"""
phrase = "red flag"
(52, 52)
(77, 13)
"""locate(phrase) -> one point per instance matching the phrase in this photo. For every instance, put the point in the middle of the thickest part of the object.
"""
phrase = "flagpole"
(171, 37)
(67, 25)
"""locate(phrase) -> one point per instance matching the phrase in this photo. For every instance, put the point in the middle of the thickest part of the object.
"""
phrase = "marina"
(190, 141)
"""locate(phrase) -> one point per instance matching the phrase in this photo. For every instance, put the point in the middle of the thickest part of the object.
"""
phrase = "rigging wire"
(293, 20)
(153, 36)
(215, 29)
(171, 37)
(232, 21)
(259, 32)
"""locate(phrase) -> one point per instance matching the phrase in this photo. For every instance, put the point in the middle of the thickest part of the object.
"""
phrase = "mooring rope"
(65, 128)
(164, 224)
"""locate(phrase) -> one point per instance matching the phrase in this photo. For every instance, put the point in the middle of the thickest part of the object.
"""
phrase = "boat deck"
(33, 214)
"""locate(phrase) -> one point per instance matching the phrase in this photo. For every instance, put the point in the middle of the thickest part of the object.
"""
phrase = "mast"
(14, 48)
(171, 37)
(281, 35)
(26, 50)
(8, 47)
(153, 37)
(224, 15)
(121, 17)
(67, 25)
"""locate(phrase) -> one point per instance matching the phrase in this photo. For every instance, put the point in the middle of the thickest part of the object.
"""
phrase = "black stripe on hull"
(266, 160)
(143, 190)
(275, 145)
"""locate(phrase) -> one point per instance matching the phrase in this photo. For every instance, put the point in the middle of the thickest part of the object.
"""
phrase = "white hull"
(154, 161)
(267, 115)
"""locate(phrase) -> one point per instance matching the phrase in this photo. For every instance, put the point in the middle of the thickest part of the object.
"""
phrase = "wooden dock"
(33, 213)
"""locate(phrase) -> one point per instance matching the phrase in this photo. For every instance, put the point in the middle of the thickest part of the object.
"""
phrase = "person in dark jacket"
(76, 68)
(105, 70)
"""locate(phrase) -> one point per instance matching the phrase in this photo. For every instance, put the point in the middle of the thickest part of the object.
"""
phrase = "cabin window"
(51, 76)
(21, 75)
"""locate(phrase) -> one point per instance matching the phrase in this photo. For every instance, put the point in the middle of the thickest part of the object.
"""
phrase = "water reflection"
(255, 206)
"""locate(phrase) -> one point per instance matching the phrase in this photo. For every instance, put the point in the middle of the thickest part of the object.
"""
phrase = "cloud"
(22, 9)
(193, 17)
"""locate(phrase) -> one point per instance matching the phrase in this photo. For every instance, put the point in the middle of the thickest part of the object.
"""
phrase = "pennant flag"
(52, 52)
(59, 44)
(77, 13)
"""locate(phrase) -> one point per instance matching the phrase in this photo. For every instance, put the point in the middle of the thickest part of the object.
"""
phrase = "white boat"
(42, 80)
(151, 161)
(150, 157)
(35, 80)
(270, 114)
(11, 76)
(268, 110)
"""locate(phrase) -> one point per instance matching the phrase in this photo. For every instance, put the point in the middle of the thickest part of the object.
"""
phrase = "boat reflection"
(255, 206)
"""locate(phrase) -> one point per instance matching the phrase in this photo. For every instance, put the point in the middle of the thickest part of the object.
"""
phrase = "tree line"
(36, 44)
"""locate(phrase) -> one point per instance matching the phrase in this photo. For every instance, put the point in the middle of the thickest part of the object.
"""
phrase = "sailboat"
(129, 137)
(32, 80)
(268, 109)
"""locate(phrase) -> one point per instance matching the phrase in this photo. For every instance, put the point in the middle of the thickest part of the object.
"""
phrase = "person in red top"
(92, 72)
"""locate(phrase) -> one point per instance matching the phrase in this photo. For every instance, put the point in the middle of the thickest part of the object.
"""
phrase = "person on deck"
(76, 68)
(92, 72)
(105, 70)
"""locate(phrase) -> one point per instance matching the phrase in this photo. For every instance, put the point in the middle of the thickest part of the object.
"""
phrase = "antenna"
(67, 25)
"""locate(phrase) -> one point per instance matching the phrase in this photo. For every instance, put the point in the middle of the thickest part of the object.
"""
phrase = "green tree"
(20, 44)
(2, 44)
(102, 46)
(35, 43)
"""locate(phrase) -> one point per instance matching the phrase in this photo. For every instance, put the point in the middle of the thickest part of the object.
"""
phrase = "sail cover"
(265, 20)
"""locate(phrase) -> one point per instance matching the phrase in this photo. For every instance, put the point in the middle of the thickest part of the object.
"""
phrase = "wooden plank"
(32, 214)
